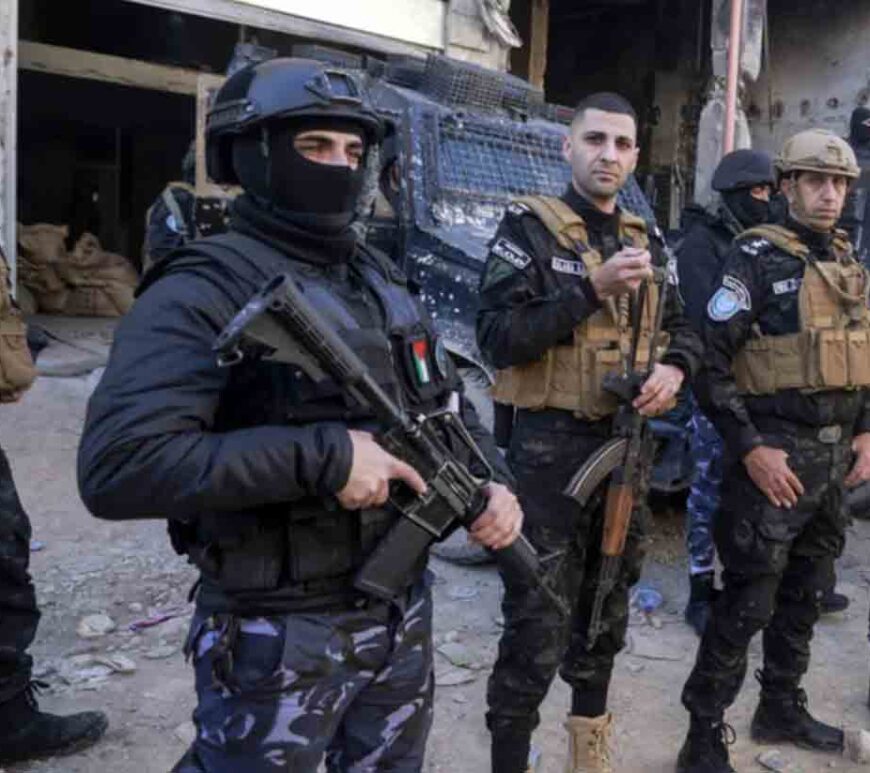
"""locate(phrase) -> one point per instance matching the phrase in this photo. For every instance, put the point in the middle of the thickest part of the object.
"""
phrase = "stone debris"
(463, 592)
(94, 626)
(186, 733)
(857, 745)
(460, 655)
(161, 651)
(774, 759)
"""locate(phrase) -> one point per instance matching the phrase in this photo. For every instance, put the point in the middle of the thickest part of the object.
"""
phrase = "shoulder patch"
(731, 298)
(574, 267)
(517, 208)
(755, 247)
(510, 253)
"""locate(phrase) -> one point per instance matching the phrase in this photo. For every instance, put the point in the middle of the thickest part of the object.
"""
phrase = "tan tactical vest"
(570, 376)
(832, 349)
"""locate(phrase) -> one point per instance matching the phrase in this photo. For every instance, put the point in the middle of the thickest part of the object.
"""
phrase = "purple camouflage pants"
(283, 693)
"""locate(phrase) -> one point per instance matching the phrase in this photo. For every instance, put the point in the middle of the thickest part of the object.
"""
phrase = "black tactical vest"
(304, 554)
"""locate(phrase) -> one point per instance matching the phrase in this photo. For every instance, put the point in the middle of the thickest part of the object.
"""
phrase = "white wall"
(421, 22)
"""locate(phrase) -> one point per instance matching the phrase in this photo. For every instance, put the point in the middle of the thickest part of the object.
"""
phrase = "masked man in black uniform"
(555, 297)
(744, 180)
(787, 369)
(272, 483)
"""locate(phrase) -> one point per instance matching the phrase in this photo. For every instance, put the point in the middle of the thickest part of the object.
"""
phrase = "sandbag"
(41, 251)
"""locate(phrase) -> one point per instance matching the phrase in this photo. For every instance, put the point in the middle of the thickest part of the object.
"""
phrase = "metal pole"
(734, 46)
(8, 132)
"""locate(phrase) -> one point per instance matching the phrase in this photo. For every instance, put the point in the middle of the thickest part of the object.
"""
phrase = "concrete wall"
(469, 40)
(820, 69)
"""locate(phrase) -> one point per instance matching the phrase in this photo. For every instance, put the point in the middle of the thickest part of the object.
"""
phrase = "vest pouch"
(793, 361)
(832, 359)
(526, 385)
(248, 559)
(753, 368)
(600, 403)
(321, 544)
(819, 307)
(414, 350)
(858, 352)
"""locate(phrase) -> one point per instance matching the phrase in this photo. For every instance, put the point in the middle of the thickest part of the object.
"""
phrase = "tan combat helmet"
(817, 150)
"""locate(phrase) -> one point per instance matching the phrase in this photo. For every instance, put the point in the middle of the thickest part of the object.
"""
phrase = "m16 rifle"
(626, 459)
(280, 324)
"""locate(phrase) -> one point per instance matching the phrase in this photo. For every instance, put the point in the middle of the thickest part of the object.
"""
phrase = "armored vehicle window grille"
(498, 162)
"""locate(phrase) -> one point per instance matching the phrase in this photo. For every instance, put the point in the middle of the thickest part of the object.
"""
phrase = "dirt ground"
(129, 572)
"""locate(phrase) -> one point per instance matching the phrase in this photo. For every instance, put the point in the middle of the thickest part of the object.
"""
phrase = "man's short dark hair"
(606, 101)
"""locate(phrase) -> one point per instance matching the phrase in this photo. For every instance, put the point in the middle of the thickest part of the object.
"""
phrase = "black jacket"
(700, 257)
(527, 306)
(856, 212)
(169, 434)
(761, 283)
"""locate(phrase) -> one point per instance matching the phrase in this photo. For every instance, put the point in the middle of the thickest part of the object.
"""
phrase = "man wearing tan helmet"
(786, 383)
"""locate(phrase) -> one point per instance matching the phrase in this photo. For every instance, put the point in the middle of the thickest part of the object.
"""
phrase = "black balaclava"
(320, 196)
(859, 127)
(301, 206)
(746, 208)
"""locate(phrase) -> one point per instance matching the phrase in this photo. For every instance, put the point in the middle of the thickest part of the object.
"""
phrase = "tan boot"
(588, 750)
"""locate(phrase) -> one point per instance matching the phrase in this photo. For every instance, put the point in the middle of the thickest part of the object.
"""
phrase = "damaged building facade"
(803, 63)
(100, 98)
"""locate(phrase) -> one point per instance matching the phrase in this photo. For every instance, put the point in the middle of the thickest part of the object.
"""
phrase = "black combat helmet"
(281, 89)
(743, 169)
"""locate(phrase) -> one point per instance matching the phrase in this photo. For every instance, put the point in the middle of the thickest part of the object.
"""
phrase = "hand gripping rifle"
(626, 457)
(280, 324)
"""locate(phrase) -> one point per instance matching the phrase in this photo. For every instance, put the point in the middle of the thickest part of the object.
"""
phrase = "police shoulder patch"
(510, 253)
(730, 299)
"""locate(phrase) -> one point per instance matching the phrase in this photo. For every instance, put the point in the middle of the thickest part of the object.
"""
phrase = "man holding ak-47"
(570, 298)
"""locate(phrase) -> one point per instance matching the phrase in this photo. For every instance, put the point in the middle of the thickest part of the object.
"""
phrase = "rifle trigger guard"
(228, 358)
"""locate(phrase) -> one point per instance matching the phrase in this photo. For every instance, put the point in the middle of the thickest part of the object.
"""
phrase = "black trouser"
(546, 449)
(778, 564)
(18, 613)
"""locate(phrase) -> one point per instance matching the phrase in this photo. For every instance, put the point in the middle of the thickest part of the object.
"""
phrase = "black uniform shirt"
(534, 292)
(759, 287)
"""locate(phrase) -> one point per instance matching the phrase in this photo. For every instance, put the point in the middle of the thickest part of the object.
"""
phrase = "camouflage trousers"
(18, 613)
(778, 564)
(283, 693)
(537, 641)
(703, 501)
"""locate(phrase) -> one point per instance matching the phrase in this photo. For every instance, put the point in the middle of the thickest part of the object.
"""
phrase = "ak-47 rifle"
(627, 457)
(280, 324)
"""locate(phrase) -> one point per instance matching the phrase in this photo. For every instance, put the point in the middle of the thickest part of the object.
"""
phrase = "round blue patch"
(723, 305)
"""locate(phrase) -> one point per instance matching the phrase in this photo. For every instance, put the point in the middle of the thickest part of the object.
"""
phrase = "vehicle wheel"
(458, 550)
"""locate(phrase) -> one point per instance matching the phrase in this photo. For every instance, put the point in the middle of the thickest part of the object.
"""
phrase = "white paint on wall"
(421, 22)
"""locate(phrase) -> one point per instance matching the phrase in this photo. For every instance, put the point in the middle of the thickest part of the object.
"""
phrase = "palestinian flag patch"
(420, 351)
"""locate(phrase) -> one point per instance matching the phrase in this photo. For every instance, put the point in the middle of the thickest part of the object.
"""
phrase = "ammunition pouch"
(570, 377)
(832, 349)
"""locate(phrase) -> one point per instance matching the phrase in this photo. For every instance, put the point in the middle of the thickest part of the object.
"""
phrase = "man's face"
(602, 150)
(815, 199)
(330, 147)
(760, 192)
